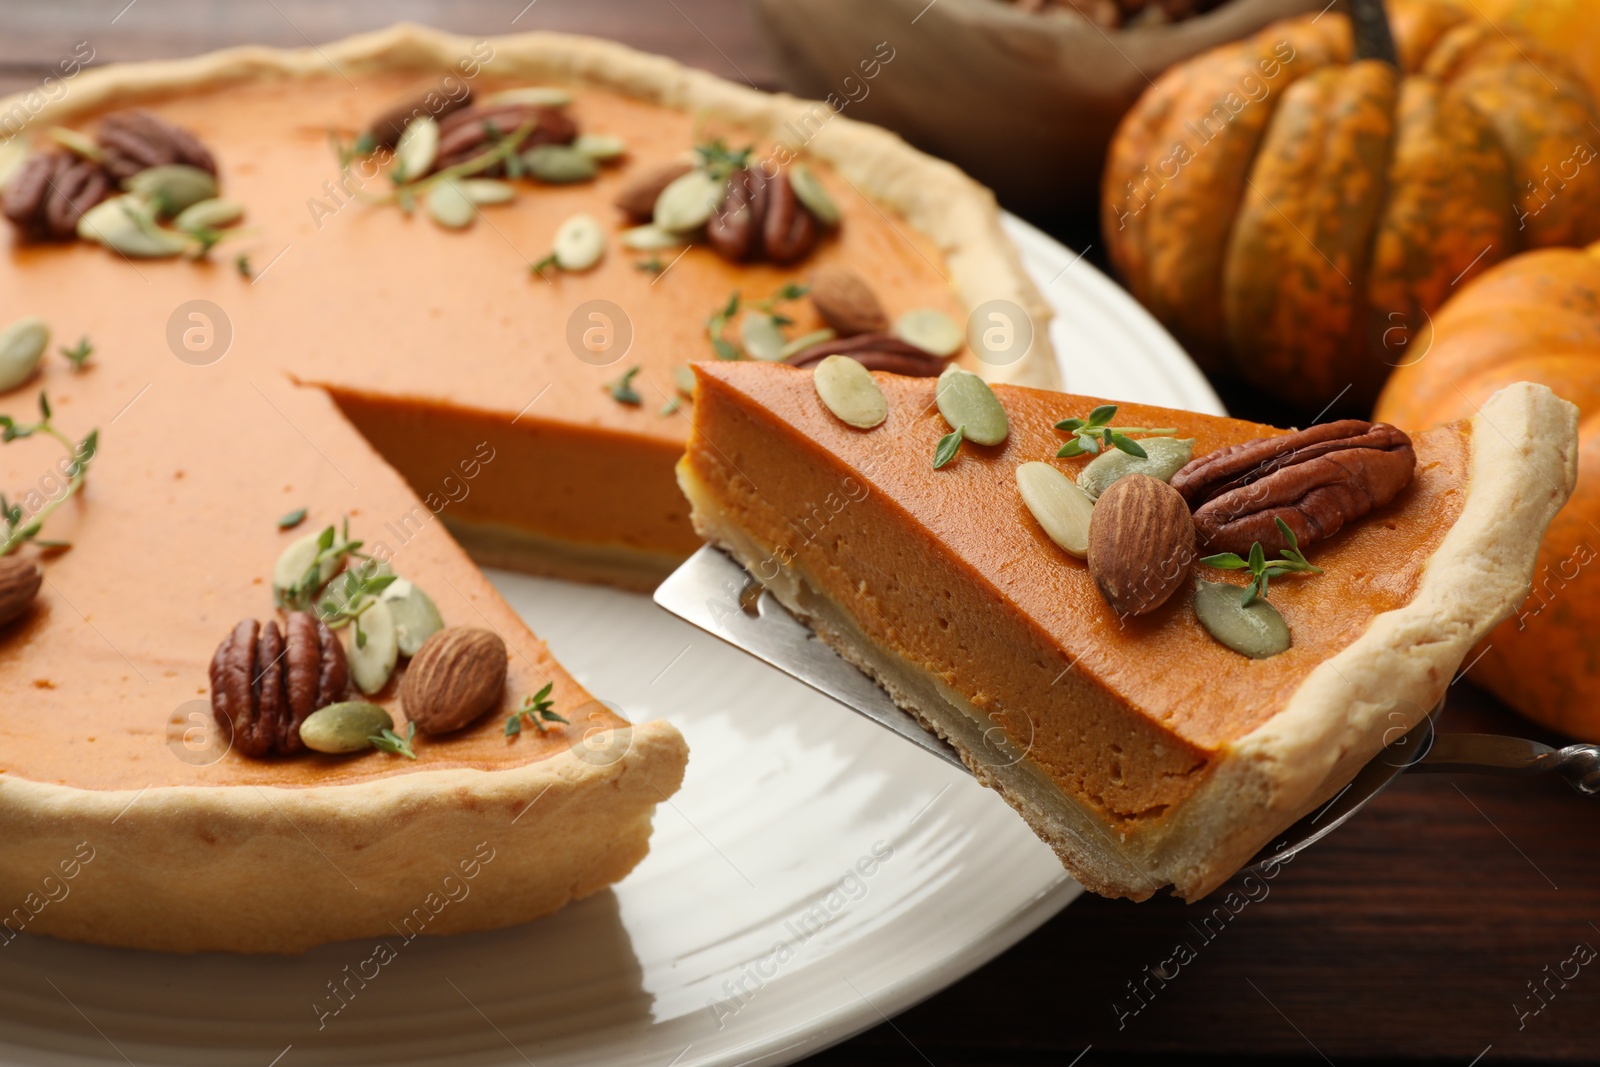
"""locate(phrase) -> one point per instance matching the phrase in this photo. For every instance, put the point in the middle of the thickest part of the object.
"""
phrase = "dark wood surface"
(1412, 934)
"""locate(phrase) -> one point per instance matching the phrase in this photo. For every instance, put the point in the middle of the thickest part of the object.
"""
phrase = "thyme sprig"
(720, 161)
(622, 390)
(537, 710)
(1260, 567)
(1088, 435)
(15, 525)
(333, 545)
(347, 601)
(717, 324)
(389, 741)
(78, 355)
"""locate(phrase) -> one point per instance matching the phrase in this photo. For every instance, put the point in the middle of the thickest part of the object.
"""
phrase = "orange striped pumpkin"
(1535, 318)
(1293, 214)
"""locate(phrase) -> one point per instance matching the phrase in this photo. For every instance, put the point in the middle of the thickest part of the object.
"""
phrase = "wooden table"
(1412, 934)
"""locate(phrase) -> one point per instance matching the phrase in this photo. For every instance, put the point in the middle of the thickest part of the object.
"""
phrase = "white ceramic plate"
(813, 877)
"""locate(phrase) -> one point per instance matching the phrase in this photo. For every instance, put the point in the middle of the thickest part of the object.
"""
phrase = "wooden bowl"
(1025, 103)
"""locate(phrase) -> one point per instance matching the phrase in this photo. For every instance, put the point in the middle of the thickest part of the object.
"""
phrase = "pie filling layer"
(947, 571)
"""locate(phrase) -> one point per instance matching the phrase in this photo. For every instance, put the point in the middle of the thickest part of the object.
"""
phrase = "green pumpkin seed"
(374, 648)
(532, 95)
(650, 238)
(344, 727)
(966, 400)
(487, 190)
(683, 378)
(848, 390)
(415, 617)
(806, 340)
(171, 187)
(559, 164)
(417, 149)
(79, 144)
(809, 191)
(1059, 506)
(1166, 456)
(762, 336)
(689, 201)
(22, 345)
(601, 147)
(1257, 631)
(211, 214)
(125, 224)
(579, 243)
(930, 330)
(294, 562)
(450, 206)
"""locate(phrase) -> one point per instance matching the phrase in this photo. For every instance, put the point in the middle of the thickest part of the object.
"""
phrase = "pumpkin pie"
(1141, 749)
(421, 383)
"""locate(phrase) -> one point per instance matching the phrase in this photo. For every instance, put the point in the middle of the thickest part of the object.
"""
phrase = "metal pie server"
(714, 593)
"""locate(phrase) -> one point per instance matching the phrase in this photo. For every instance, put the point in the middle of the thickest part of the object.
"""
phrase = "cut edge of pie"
(1523, 454)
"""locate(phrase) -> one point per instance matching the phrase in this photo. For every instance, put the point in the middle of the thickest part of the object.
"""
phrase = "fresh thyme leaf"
(1262, 569)
(1088, 435)
(948, 445)
(547, 263)
(622, 390)
(79, 354)
(537, 710)
(1132, 448)
(241, 263)
(726, 349)
(393, 743)
(292, 519)
(15, 530)
(653, 265)
(672, 405)
(720, 161)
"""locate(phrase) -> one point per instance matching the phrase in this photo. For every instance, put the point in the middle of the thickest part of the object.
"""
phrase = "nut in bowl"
(1039, 92)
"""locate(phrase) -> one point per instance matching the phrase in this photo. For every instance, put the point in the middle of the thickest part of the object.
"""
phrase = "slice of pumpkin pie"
(1163, 637)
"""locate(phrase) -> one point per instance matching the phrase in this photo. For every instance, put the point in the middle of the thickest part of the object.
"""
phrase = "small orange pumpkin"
(1535, 318)
(1293, 214)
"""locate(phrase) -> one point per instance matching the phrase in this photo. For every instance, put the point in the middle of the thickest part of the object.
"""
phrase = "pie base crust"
(185, 869)
(1523, 467)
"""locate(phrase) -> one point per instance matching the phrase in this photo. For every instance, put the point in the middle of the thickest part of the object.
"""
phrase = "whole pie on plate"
(1150, 724)
(364, 359)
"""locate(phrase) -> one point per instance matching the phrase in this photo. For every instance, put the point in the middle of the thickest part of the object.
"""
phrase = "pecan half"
(137, 140)
(789, 230)
(385, 130)
(734, 230)
(51, 192)
(472, 131)
(1315, 480)
(266, 681)
(875, 351)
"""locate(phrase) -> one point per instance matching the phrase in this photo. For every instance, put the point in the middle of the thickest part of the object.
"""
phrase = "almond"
(1141, 543)
(456, 677)
(846, 302)
(19, 584)
(638, 195)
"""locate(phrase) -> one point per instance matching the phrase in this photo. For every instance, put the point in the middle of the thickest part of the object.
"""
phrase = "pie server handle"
(1513, 757)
